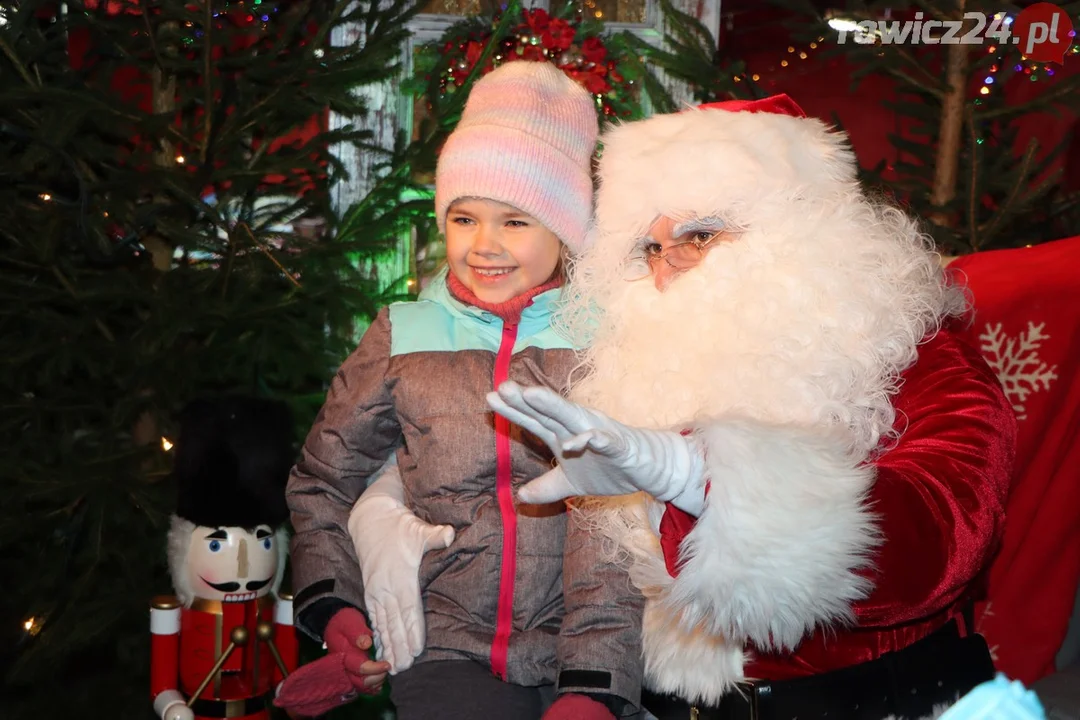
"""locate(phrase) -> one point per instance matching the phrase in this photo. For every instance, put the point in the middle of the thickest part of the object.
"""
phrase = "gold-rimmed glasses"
(680, 256)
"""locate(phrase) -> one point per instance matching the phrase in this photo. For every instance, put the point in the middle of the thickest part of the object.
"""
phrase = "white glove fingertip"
(539, 492)
(509, 389)
(376, 641)
(438, 537)
(398, 641)
(544, 400)
(415, 631)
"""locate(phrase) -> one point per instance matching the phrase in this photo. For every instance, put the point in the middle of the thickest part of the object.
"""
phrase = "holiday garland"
(566, 37)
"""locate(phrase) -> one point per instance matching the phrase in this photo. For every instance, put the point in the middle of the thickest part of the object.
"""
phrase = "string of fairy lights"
(792, 56)
(1034, 71)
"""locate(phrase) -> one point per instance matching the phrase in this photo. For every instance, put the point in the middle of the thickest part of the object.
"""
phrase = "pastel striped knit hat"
(526, 138)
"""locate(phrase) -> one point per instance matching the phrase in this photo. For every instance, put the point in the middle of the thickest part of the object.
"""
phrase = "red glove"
(348, 634)
(316, 688)
(577, 707)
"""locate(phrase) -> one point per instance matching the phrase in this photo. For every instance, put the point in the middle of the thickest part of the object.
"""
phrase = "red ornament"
(593, 50)
(540, 37)
(559, 35)
(536, 21)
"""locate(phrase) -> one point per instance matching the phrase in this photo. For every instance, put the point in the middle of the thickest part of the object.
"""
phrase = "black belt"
(933, 671)
(230, 708)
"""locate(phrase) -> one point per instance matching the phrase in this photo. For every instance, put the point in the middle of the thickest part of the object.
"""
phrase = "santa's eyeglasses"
(681, 256)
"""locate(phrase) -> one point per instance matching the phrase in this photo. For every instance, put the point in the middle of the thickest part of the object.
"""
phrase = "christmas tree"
(165, 233)
(963, 163)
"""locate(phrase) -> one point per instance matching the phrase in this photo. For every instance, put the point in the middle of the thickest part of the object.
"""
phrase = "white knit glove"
(598, 456)
(390, 542)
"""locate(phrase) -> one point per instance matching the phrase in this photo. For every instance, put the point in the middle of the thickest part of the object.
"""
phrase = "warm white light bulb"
(839, 24)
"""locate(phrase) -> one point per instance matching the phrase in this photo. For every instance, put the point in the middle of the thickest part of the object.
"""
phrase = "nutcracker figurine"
(224, 642)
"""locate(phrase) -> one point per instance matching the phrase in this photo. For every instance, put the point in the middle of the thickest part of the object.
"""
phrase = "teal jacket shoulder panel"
(439, 322)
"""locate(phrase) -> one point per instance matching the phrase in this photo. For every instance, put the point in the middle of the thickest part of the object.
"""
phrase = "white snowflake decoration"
(1016, 361)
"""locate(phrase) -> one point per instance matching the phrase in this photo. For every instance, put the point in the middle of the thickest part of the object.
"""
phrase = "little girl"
(505, 635)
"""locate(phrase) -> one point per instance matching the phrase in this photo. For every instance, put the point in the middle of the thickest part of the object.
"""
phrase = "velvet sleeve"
(940, 491)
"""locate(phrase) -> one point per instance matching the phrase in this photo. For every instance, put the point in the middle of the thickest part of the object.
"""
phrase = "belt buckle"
(751, 689)
(694, 712)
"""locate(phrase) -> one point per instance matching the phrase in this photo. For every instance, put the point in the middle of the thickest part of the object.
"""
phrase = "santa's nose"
(242, 560)
(663, 274)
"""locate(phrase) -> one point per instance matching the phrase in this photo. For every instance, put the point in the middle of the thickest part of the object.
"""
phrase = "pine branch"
(1008, 206)
(1068, 89)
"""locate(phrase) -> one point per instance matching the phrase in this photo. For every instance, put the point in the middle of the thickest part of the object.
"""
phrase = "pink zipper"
(504, 618)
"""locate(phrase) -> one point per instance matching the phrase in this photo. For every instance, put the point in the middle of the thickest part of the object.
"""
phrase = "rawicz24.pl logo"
(1043, 31)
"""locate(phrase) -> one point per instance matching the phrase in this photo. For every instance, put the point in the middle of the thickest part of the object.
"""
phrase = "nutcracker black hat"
(232, 461)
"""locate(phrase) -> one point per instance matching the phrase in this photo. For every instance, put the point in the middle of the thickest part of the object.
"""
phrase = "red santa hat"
(777, 104)
(737, 160)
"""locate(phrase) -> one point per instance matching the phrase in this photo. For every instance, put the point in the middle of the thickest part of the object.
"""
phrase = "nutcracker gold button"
(239, 635)
(264, 631)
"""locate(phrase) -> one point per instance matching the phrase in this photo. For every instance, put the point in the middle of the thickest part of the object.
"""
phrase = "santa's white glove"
(170, 705)
(599, 456)
(390, 542)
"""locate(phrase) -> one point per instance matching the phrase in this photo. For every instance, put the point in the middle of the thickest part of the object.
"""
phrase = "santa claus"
(801, 463)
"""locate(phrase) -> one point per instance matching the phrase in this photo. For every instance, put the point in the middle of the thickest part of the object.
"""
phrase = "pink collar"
(509, 311)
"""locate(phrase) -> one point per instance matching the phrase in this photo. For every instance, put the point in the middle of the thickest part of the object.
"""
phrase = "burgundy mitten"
(345, 627)
(316, 688)
(577, 707)
(347, 635)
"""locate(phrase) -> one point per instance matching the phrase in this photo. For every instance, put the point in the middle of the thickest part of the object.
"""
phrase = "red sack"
(1027, 325)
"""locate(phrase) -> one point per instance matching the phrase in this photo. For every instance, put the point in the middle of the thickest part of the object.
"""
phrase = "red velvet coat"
(937, 496)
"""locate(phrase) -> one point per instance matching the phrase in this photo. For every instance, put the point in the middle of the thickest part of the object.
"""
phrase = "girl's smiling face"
(497, 251)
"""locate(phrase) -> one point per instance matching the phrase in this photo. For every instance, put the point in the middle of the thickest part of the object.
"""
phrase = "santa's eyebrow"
(707, 223)
(260, 534)
(218, 534)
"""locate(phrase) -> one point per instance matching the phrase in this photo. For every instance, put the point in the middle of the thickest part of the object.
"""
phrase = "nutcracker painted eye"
(265, 537)
(216, 539)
